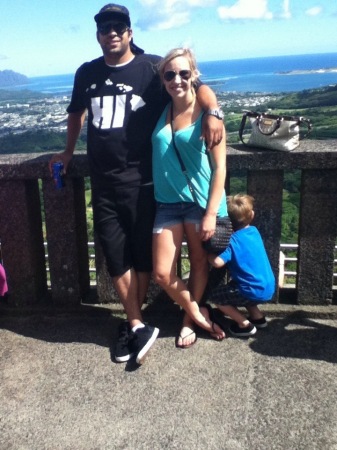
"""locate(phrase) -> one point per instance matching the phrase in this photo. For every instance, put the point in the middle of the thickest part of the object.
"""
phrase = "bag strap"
(183, 167)
(243, 124)
(308, 124)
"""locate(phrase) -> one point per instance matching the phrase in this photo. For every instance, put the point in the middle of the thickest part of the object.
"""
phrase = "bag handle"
(259, 117)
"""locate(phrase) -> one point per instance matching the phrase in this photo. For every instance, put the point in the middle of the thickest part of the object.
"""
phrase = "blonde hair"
(175, 53)
(240, 210)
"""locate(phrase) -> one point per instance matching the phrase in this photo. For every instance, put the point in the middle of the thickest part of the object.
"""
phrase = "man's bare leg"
(143, 286)
(127, 288)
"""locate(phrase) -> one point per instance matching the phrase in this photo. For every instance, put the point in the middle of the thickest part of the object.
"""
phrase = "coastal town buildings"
(49, 113)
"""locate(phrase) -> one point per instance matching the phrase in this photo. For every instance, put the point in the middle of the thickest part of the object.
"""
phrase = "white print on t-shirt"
(124, 87)
(136, 102)
(109, 111)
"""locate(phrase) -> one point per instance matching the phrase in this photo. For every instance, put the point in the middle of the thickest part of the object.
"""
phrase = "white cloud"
(246, 9)
(315, 11)
(163, 20)
(200, 3)
(167, 14)
(286, 10)
(171, 20)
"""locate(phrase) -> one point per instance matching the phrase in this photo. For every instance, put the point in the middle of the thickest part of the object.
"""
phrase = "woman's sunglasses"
(171, 74)
(119, 28)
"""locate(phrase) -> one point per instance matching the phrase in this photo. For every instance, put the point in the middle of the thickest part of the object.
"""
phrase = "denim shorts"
(169, 214)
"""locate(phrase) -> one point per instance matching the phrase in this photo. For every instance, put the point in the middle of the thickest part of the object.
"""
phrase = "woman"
(177, 214)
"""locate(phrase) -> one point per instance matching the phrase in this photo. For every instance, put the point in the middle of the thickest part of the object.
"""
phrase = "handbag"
(223, 228)
(220, 239)
(273, 132)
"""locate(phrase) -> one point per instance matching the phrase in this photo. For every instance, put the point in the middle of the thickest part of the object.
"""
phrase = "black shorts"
(123, 222)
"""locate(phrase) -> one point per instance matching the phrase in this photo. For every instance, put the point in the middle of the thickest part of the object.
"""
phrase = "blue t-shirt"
(170, 184)
(249, 265)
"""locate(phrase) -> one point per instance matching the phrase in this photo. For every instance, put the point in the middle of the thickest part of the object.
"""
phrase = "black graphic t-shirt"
(124, 104)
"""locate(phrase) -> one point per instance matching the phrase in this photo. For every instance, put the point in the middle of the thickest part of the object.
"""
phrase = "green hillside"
(39, 141)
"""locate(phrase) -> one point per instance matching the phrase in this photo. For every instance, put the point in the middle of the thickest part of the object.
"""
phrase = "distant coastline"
(278, 74)
(311, 71)
(10, 78)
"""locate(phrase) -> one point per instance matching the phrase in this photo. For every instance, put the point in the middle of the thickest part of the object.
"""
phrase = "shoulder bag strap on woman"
(183, 167)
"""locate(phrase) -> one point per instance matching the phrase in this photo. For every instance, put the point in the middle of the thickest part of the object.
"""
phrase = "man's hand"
(212, 130)
(63, 157)
(74, 126)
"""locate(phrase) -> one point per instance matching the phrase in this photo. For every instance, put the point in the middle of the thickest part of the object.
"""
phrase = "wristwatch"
(216, 113)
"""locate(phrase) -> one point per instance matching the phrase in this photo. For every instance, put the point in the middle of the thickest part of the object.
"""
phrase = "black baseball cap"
(111, 11)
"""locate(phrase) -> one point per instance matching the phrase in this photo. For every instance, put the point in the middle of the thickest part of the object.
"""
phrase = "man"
(123, 96)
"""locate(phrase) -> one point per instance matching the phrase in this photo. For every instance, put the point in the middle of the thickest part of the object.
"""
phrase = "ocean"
(273, 74)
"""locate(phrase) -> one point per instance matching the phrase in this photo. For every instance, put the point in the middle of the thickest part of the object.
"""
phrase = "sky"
(40, 37)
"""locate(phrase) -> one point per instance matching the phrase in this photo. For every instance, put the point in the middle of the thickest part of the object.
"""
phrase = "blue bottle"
(58, 175)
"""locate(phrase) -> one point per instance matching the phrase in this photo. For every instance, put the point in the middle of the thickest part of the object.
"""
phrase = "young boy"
(252, 279)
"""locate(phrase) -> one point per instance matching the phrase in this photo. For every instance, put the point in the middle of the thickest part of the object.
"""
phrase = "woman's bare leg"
(197, 281)
(166, 249)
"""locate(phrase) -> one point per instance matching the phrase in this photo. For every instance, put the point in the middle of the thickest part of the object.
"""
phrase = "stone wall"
(65, 218)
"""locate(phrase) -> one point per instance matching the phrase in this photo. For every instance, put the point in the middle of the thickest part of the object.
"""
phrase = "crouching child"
(251, 278)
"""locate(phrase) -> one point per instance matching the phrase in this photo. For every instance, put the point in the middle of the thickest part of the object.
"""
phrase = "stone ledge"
(166, 308)
(311, 154)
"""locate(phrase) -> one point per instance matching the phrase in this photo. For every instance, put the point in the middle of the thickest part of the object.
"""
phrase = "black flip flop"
(184, 337)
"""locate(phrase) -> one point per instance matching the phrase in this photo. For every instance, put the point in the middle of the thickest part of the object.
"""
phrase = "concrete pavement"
(61, 390)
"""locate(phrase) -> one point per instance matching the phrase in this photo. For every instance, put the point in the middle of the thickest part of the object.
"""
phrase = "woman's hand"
(207, 226)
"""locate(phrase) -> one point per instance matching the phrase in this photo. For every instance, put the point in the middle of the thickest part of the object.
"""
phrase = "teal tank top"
(170, 185)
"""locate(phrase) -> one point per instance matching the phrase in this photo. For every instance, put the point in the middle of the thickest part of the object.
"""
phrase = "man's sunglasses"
(171, 74)
(106, 28)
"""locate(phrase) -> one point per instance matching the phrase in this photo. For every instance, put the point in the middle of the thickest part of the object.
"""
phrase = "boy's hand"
(215, 261)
